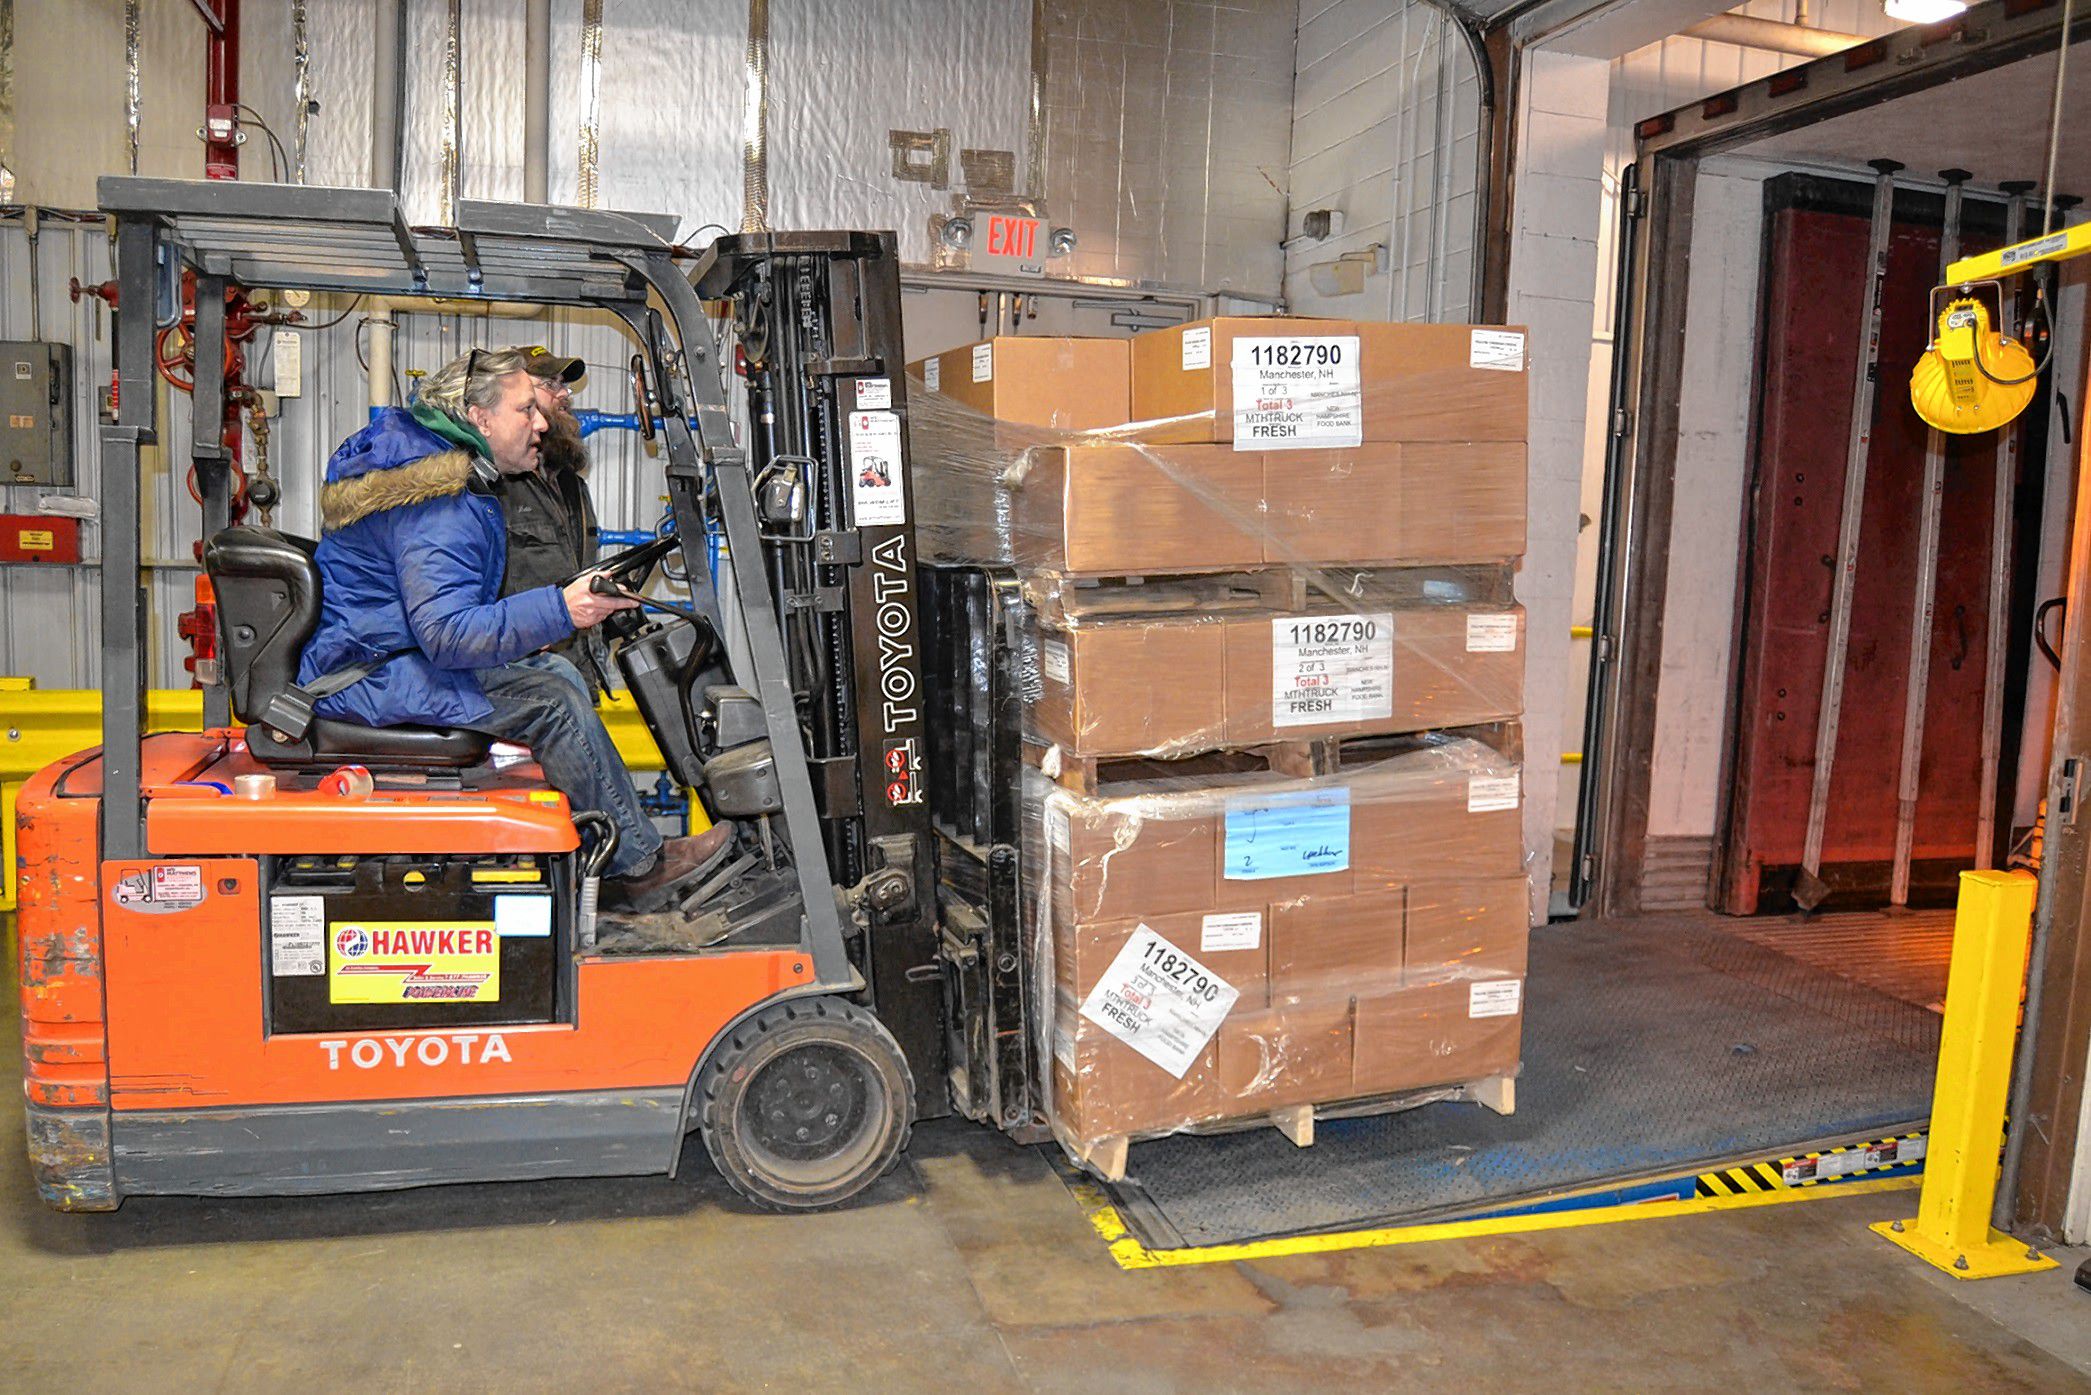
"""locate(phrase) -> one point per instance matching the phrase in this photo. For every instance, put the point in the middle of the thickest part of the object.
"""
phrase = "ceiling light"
(1923, 11)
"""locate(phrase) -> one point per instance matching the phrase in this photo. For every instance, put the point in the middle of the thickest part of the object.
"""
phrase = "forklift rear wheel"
(806, 1103)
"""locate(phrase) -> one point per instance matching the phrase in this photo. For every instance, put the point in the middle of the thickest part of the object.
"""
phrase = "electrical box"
(36, 537)
(36, 413)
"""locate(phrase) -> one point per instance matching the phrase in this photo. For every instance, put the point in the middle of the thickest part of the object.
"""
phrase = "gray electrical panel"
(36, 413)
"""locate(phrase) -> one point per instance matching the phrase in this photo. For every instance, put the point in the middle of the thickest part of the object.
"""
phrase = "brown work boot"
(679, 860)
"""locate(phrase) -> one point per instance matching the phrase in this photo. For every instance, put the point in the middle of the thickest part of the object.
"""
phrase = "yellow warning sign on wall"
(414, 962)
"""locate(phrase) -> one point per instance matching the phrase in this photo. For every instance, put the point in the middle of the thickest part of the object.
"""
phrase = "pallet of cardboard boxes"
(1273, 836)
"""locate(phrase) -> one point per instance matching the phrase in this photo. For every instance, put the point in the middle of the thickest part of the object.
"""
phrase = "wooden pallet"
(1106, 1157)
(1060, 601)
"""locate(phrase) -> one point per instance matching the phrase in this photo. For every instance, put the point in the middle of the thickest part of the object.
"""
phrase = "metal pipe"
(1995, 652)
(755, 122)
(453, 109)
(537, 101)
(1924, 608)
(221, 93)
(387, 92)
(591, 101)
(384, 328)
(1773, 36)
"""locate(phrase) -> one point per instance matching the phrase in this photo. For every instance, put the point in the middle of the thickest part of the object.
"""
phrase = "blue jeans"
(542, 702)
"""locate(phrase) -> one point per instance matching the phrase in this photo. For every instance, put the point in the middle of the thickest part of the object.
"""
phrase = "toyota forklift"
(286, 955)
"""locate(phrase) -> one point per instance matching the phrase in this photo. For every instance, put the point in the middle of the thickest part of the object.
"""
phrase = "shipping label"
(984, 362)
(1502, 350)
(1053, 659)
(1197, 348)
(1297, 393)
(1488, 793)
(1294, 834)
(1231, 930)
(933, 373)
(1160, 1001)
(385, 961)
(1500, 997)
(874, 455)
(297, 936)
(1492, 634)
(1336, 668)
(874, 394)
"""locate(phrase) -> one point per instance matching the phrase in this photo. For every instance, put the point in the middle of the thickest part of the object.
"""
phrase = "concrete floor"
(970, 1269)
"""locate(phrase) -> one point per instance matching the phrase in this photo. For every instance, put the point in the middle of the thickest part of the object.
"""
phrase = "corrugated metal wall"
(1205, 211)
(1386, 122)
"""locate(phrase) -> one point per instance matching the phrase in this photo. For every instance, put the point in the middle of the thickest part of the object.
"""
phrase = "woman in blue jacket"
(411, 559)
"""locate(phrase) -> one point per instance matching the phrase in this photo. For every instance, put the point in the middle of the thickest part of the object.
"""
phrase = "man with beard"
(551, 519)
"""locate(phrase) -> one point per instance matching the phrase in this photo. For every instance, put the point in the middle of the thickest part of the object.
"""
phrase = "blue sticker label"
(1288, 835)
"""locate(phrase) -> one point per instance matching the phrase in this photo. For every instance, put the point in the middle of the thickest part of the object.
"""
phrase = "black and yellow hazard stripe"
(1741, 1181)
(1779, 1174)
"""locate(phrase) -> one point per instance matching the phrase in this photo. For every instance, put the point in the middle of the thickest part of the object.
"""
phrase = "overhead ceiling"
(1993, 123)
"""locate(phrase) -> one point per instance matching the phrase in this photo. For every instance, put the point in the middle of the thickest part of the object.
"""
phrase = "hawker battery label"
(1160, 1001)
(1297, 394)
(874, 454)
(422, 962)
(297, 936)
(1337, 668)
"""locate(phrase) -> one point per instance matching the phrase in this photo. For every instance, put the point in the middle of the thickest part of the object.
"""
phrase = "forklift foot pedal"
(710, 885)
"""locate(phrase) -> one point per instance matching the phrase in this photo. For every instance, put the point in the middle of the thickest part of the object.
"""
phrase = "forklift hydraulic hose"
(594, 824)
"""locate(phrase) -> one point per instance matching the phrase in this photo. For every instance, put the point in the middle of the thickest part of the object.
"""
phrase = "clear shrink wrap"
(1176, 665)
(1229, 445)
(1218, 947)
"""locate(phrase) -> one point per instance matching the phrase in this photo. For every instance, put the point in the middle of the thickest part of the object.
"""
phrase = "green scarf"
(459, 433)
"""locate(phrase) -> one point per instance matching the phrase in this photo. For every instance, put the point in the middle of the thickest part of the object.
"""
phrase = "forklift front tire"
(805, 1103)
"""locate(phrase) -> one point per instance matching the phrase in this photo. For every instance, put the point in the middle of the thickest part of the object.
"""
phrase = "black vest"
(551, 535)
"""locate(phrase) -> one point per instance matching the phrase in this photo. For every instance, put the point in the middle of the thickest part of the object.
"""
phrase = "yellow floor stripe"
(1131, 1254)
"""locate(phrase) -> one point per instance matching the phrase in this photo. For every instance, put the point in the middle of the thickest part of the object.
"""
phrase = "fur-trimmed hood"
(393, 462)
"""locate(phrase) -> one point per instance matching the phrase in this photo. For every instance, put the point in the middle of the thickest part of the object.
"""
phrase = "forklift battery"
(362, 943)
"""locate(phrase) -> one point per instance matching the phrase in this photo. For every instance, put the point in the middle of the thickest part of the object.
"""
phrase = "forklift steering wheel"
(632, 567)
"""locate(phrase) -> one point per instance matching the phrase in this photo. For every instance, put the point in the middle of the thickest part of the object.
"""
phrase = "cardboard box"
(1458, 929)
(1147, 850)
(1102, 1088)
(1180, 684)
(1407, 503)
(1327, 949)
(1418, 382)
(1277, 1057)
(1124, 510)
(1037, 380)
(1436, 1034)
(1234, 946)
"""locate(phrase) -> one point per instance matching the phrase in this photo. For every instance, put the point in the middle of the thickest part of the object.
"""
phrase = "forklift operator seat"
(267, 589)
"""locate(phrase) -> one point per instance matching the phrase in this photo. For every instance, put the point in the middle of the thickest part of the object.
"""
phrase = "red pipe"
(221, 89)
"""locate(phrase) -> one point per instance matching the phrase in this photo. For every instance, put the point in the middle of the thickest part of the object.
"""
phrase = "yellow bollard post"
(1991, 930)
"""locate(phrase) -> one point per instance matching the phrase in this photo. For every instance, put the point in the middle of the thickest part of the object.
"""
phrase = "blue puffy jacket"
(412, 559)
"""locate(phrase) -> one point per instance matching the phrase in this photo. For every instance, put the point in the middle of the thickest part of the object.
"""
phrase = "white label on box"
(1492, 634)
(984, 362)
(1059, 829)
(874, 455)
(1197, 348)
(1297, 393)
(288, 354)
(1159, 1001)
(1332, 668)
(1495, 997)
(297, 936)
(1500, 349)
(933, 373)
(1488, 793)
(1231, 930)
(1052, 657)
(874, 394)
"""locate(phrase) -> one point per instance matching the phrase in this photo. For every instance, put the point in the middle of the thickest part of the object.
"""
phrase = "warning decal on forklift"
(1160, 1001)
(160, 890)
(418, 962)
(874, 462)
(297, 936)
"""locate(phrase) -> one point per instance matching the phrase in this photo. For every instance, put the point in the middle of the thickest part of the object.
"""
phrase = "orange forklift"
(288, 955)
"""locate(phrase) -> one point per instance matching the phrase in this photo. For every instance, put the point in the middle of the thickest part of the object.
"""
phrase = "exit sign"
(1012, 243)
